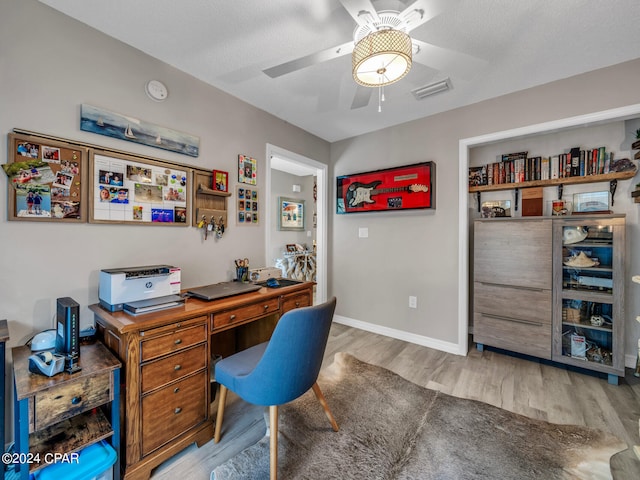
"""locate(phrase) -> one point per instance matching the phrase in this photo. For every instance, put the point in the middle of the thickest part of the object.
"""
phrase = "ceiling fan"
(369, 21)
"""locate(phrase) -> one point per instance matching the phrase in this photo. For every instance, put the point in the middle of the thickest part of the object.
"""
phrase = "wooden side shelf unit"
(206, 201)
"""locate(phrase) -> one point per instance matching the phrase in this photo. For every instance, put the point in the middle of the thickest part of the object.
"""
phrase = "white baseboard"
(401, 335)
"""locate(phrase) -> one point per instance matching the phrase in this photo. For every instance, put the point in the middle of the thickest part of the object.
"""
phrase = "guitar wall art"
(398, 188)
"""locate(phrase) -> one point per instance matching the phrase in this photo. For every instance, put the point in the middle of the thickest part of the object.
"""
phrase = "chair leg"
(221, 402)
(273, 442)
(325, 405)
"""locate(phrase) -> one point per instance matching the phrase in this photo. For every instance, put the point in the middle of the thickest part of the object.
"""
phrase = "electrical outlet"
(413, 302)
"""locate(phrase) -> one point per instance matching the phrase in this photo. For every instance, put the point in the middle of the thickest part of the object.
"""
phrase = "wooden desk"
(62, 414)
(4, 337)
(167, 357)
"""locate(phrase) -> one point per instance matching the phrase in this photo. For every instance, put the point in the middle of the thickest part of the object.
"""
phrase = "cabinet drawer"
(513, 252)
(297, 300)
(173, 341)
(173, 367)
(517, 335)
(245, 313)
(524, 303)
(173, 410)
(65, 401)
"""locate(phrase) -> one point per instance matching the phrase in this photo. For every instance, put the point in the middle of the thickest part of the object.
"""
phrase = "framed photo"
(247, 170)
(220, 181)
(399, 188)
(291, 248)
(290, 214)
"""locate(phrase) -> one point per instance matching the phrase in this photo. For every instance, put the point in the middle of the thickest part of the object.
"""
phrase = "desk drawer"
(68, 400)
(173, 341)
(296, 300)
(245, 313)
(165, 370)
(173, 410)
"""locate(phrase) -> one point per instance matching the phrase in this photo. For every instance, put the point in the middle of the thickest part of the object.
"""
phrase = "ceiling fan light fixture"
(381, 58)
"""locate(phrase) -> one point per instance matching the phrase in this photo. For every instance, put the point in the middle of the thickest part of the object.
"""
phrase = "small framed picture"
(220, 181)
(247, 170)
(291, 248)
(291, 214)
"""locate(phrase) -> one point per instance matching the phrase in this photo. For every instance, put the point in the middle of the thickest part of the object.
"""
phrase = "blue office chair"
(280, 370)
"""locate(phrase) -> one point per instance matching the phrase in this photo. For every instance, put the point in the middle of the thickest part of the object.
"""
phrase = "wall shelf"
(607, 177)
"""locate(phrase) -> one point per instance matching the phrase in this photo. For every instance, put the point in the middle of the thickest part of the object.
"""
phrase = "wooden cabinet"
(166, 358)
(552, 288)
(589, 276)
(512, 285)
(67, 412)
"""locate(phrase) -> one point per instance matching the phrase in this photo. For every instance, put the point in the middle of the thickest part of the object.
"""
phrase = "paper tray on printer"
(153, 304)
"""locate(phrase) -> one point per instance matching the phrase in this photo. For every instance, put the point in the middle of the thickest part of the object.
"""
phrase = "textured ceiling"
(487, 48)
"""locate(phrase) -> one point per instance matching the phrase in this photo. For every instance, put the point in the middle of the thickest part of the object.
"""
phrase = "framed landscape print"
(398, 188)
(290, 214)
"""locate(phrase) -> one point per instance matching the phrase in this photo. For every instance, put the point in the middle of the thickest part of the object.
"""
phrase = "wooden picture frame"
(135, 190)
(291, 248)
(291, 214)
(399, 188)
(219, 181)
(47, 180)
(247, 170)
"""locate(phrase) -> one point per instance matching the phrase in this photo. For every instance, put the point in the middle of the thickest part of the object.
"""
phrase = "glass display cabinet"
(588, 316)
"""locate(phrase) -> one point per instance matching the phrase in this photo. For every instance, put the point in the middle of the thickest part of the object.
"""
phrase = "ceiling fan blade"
(307, 61)
(447, 61)
(361, 97)
(362, 11)
(421, 11)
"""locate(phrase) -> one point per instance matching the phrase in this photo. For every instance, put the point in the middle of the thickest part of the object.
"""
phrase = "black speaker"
(68, 331)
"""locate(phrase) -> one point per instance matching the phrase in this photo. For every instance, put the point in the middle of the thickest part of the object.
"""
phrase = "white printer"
(119, 286)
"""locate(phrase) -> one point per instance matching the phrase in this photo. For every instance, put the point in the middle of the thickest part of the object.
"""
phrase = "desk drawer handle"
(176, 390)
(76, 400)
(177, 410)
(266, 307)
(232, 317)
(177, 367)
(178, 341)
(297, 304)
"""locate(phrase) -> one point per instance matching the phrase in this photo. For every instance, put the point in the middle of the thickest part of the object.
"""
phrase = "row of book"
(519, 167)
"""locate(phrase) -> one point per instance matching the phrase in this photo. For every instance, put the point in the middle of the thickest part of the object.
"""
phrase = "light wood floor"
(523, 386)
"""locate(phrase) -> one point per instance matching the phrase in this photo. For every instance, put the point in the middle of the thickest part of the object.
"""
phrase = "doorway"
(290, 162)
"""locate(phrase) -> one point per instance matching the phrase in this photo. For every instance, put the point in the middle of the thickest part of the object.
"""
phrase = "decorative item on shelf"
(532, 202)
(220, 181)
(581, 260)
(560, 207)
(497, 208)
(573, 235)
(591, 202)
(247, 170)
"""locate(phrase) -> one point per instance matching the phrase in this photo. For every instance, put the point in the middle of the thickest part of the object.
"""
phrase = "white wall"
(416, 253)
(50, 65)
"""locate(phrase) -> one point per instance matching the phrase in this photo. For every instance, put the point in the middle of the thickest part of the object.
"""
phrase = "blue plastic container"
(92, 461)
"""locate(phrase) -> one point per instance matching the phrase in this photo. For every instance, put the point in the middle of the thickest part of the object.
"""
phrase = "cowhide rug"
(391, 428)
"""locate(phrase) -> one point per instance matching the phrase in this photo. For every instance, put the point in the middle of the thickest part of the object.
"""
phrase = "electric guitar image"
(358, 193)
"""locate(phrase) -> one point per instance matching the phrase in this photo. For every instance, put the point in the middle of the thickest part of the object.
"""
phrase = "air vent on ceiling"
(431, 89)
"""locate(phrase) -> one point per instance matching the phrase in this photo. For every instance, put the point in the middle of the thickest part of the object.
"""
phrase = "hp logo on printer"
(148, 284)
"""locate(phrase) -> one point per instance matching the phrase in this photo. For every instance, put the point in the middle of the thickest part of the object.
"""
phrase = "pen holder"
(241, 274)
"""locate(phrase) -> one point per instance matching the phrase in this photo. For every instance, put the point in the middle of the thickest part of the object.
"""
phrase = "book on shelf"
(477, 176)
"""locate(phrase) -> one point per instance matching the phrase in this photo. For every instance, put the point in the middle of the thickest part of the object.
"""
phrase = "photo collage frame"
(127, 189)
(248, 205)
